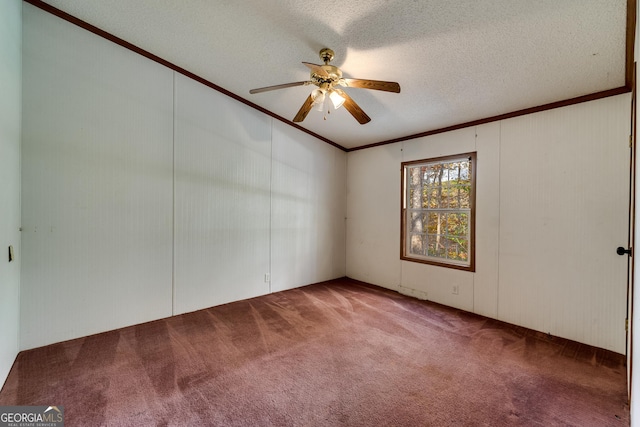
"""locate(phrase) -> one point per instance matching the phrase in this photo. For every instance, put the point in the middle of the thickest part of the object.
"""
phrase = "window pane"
(417, 244)
(415, 222)
(465, 196)
(436, 246)
(457, 249)
(457, 224)
(434, 222)
(454, 196)
(433, 198)
(415, 199)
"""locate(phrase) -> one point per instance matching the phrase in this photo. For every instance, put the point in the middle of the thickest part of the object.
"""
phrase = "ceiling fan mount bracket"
(326, 55)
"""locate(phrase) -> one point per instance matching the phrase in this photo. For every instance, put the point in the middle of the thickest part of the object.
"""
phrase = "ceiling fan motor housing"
(326, 82)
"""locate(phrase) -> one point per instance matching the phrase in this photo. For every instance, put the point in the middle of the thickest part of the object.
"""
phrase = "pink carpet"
(339, 353)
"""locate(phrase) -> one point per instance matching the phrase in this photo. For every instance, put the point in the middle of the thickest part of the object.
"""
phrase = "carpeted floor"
(339, 353)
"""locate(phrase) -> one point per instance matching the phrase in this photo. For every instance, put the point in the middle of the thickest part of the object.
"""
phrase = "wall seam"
(475, 226)
(402, 159)
(270, 204)
(173, 199)
(346, 214)
(499, 217)
(20, 250)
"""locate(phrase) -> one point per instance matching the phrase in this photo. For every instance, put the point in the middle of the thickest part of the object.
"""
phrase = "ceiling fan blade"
(353, 108)
(373, 84)
(286, 85)
(317, 69)
(304, 110)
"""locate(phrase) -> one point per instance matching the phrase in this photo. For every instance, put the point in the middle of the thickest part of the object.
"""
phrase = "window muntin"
(438, 211)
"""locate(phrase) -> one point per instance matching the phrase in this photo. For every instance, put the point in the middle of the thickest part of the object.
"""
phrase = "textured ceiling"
(456, 61)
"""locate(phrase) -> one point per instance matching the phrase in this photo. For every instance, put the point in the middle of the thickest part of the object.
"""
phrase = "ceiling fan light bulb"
(336, 99)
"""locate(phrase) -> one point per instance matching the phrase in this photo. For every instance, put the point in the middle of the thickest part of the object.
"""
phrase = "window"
(438, 213)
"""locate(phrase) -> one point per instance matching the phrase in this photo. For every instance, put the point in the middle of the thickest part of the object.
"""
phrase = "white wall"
(308, 208)
(147, 194)
(10, 116)
(551, 209)
(373, 216)
(223, 169)
(564, 185)
(97, 184)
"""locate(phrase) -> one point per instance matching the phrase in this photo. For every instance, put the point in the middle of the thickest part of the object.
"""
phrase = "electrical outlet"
(455, 289)
(267, 278)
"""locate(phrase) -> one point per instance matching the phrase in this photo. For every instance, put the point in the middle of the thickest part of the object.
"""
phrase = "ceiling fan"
(328, 79)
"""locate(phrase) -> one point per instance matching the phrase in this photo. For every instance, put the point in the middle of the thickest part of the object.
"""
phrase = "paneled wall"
(552, 204)
(564, 185)
(373, 215)
(222, 188)
(97, 194)
(10, 112)
(308, 206)
(147, 194)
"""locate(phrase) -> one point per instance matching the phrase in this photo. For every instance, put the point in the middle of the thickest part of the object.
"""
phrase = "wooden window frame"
(472, 221)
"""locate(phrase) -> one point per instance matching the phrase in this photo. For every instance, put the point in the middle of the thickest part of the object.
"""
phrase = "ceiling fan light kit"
(318, 99)
(328, 79)
(336, 99)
